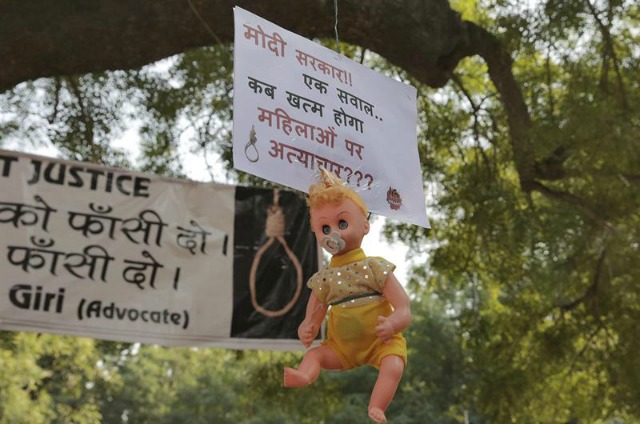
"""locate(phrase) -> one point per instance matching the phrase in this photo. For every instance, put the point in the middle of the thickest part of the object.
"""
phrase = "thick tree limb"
(487, 46)
(42, 38)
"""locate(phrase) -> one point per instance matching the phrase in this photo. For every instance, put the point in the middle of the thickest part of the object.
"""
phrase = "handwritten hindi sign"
(299, 106)
(92, 251)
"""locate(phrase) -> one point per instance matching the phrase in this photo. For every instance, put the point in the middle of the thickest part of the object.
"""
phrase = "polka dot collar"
(347, 258)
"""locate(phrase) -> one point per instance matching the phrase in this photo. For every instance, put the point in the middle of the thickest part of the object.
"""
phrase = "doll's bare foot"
(295, 378)
(377, 415)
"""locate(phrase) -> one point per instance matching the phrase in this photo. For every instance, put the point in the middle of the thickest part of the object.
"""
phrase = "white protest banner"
(299, 106)
(117, 255)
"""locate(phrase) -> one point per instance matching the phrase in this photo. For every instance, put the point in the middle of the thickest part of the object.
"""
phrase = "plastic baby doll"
(369, 307)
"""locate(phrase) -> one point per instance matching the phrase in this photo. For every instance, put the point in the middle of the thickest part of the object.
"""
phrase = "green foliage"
(48, 379)
(541, 281)
(160, 385)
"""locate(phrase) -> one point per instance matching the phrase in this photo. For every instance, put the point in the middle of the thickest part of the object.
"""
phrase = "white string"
(335, 27)
(204, 23)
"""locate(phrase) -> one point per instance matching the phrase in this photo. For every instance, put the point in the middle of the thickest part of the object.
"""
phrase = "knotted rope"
(275, 231)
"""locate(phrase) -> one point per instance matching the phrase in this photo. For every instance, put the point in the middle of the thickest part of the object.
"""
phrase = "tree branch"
(87, 120)
(610, 52)
(56, 101)
(476, 119)
(592, 291)
(552, 108)
(487, 46)
(572, 200)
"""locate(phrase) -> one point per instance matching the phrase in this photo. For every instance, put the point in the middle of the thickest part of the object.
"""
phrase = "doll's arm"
(401, 316)
(316, 311)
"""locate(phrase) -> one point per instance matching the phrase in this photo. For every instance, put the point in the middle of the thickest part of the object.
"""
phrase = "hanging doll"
(368, 306)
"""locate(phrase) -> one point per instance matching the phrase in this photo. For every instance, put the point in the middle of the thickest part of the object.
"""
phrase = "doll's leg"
(391, 369)
(322, 357)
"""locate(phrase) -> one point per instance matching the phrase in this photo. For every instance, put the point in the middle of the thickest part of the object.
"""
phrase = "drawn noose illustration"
(252, 155)
(275, 231)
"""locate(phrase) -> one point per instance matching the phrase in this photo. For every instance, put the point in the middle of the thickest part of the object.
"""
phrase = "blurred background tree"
(527, 303)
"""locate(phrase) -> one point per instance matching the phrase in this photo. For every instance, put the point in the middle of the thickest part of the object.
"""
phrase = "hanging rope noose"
(275, 231)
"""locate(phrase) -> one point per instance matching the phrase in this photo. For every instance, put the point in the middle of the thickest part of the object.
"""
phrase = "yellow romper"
(353, 284)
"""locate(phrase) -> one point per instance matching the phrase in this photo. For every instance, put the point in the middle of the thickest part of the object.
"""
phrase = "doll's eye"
(326, 229)
(342, 224)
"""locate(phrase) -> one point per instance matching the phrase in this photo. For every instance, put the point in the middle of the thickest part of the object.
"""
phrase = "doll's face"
(343, 219)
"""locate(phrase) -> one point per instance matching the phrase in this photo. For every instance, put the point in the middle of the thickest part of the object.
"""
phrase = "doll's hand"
(384, 330)
(307, 333)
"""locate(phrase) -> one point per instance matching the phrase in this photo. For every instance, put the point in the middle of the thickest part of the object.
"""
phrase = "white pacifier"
(333, 243)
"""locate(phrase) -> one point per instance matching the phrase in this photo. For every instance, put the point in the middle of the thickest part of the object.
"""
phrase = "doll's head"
(331, 189)
(338, 214)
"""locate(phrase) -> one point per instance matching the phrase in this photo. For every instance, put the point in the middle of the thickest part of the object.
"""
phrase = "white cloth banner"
(299, 106)
(105, 253)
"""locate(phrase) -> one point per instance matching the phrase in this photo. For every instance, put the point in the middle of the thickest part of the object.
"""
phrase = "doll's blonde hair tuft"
(331, 189)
